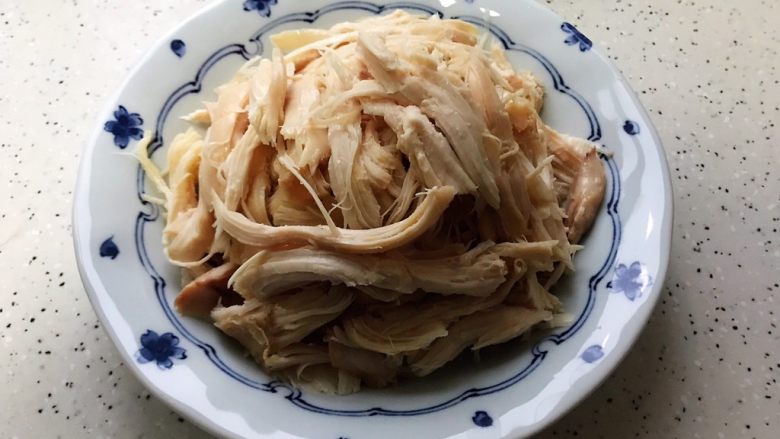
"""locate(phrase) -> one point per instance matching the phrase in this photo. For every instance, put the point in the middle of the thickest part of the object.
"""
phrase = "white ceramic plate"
(515, 390)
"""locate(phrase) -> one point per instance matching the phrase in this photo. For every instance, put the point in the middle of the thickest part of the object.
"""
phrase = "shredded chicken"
(477, 272)
(373, 200)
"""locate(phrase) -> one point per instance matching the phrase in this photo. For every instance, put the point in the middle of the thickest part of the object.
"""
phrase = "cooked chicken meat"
(374, 199)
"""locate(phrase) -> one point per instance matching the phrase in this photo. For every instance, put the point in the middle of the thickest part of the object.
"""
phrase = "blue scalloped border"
(295, 396)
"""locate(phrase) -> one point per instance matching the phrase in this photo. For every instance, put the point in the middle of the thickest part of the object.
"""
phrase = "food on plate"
(373, 200)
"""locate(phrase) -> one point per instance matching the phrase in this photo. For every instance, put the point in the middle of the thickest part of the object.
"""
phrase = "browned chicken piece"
(200, 296)
(585, 197)
(580, 180)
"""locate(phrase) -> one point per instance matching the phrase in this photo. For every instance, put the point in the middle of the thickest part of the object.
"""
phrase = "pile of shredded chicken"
(374, 200)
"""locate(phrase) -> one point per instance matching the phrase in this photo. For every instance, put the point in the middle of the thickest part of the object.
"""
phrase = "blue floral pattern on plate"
(630, 280)
(592, 354)
(576, 37)
(631, 128)
(109, 249)
(482, 419)
(160, 349)
(179, 48)
(124, 127)
(263, 7)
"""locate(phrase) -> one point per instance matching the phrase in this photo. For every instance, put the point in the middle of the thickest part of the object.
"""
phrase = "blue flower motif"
(178, 47)
(160, 349)
(482, 419)
(630, 281)
(108, 249)
(631, 128)
(263, 7)
(124, 127)
(592, 354)
(576, 37)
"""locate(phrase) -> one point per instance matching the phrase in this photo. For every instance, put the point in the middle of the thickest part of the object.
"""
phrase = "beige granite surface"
(706, 366)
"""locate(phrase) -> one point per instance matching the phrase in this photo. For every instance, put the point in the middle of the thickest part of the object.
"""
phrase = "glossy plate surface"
(515, 390)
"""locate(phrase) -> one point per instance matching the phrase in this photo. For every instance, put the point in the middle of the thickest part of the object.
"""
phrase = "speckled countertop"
(706, 366)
